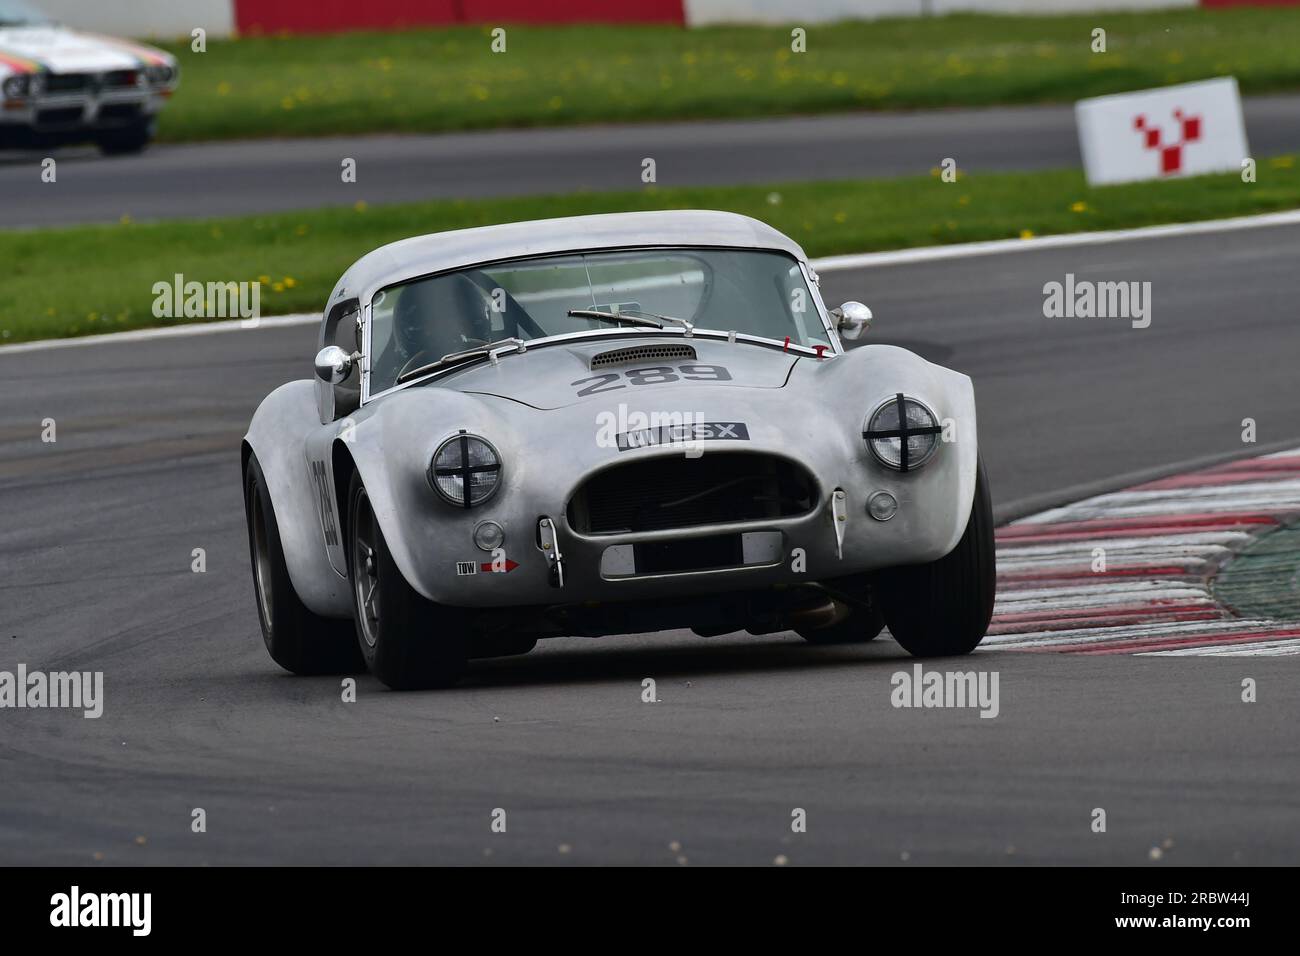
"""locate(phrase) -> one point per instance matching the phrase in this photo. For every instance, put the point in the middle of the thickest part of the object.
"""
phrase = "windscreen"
(17, 13)
(748, 291)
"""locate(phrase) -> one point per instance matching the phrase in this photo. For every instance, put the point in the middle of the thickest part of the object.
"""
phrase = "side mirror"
(333, 365)
(852, 319)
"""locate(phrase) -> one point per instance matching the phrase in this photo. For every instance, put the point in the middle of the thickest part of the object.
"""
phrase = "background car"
(62, 86)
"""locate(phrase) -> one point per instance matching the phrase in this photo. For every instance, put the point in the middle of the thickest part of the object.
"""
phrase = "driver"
(434, 318)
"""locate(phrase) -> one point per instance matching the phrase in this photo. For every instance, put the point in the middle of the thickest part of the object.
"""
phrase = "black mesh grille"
(642, 353)
(680, 492)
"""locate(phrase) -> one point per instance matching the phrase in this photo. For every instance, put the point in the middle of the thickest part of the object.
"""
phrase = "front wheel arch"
(412, 643)
(943, 608)
(343, 467)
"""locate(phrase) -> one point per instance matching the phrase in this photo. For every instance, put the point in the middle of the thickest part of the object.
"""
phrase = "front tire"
(942, 609)
(408, 642)
(297, 640)
(126, 141)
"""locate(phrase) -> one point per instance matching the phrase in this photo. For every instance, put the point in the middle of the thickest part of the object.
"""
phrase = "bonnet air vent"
(642, 353)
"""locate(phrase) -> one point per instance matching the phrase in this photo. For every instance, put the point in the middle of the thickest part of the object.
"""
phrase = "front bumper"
(704, 559)
(63, 118)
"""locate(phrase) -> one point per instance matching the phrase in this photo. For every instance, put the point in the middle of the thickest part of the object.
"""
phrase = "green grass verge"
(88, 279)
(427, 80)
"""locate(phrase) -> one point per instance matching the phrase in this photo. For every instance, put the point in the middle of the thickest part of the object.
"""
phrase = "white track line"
(167, 332)
(1188, 543)
(1260, 493)
(1284, 648)
(994, 247)
(1094, 600)
(1083, 638)
(857, 260)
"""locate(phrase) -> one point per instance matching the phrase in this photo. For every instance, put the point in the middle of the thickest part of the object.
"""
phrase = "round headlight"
(465, 470)
(160, 75)
(902, 433)
(16, 86)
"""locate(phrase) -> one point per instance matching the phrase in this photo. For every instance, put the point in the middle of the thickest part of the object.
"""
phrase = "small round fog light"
(882, 506)
(488, 535)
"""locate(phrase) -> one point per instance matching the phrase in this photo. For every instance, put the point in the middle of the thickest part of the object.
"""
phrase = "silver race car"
(62, 86)
(606, 425)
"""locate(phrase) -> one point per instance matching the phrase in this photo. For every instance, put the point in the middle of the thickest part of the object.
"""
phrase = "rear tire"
(297, 640)
(943, 608)
(407, 641)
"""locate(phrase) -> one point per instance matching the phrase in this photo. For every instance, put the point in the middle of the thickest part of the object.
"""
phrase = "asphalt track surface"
(226, 179)
(96, 546)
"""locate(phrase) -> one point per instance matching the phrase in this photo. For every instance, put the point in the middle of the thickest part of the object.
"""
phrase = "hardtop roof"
(442, 251)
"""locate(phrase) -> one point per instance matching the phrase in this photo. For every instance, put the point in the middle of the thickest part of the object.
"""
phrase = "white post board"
(1185, 130)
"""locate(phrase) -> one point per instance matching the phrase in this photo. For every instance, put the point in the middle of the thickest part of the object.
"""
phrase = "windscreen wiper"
(489, 349)
(633, 317)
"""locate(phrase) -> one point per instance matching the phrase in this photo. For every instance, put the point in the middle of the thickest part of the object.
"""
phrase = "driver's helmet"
(439, 316)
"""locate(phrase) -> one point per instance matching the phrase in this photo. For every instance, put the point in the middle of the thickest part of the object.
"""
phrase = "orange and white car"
(60, 86)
